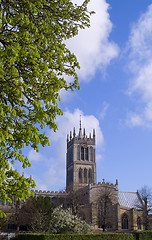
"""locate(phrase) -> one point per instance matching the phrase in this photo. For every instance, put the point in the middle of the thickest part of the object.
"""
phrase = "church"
(100, 204)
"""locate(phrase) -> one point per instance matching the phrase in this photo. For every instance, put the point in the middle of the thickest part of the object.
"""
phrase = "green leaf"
(34, 64)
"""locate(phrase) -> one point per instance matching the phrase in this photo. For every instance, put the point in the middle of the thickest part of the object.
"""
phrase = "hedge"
(107, 236)
(145, 235)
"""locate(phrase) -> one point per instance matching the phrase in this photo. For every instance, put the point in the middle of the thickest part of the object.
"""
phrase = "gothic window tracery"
(139, 223)
(125, 221)
(91, 154)
(86, 153)
(82, 153)
(90, 176)
(78, 152)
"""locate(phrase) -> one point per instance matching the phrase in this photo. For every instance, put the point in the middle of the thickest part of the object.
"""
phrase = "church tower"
(80, 160)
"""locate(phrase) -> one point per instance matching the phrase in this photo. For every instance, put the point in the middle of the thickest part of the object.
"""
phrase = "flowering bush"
(63, 221)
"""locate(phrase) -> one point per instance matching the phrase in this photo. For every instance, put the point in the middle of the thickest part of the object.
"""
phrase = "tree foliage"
(34, 61)
(146, 207)
(74, 201)
(38, 215)
(34, 215)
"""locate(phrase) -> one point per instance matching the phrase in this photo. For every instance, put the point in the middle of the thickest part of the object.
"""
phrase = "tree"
(146, 197)
(34, 62)
(38, 215)
(74, 201)
(34, 215)
(106, 206)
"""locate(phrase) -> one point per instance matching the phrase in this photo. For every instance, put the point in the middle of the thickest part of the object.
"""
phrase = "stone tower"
(80, 160)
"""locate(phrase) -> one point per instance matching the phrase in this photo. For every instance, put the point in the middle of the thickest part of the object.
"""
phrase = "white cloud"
(50, 172)
(56, 176)
(66, 123)
(39, 185)
(134, 120)
(69, 120)
(140, 65)
(99, 157)
(92, 46)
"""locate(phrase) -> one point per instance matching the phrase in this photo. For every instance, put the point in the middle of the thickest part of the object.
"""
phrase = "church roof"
(130, 199)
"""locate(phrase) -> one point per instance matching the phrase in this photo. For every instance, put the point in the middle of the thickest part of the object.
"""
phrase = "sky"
(115, 56)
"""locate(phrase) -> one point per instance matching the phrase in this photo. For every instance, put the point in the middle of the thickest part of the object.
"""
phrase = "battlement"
(104, 184)
(49, 193)
(72, 137)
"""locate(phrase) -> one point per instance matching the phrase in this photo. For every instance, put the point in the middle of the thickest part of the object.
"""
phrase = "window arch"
(80, 175)
(90, 176)
(78, 152)
(86, 153)
(85, 175)
(125, 221)
(82, 153)
(91, 154)
(139, 223)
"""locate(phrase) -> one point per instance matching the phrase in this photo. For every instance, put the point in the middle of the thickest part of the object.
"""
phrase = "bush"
(63, 221)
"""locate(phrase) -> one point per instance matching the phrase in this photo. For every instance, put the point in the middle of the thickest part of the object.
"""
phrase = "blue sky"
(115, 56)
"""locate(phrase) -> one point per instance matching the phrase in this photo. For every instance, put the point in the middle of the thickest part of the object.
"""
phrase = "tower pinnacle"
(80, 129)
(80, 122)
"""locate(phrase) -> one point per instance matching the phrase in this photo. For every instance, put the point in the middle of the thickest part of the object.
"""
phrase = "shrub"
(63, 221)
(145, 235)
(106, 236)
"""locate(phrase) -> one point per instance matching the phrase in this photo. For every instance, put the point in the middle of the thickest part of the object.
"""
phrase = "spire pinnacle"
(80, 122)
(80, 129)
(74, 132)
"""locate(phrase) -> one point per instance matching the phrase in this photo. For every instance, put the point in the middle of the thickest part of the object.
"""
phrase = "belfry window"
(125, 221)
(78, 152)
(82, 153)
(86, 153)
(91, 154)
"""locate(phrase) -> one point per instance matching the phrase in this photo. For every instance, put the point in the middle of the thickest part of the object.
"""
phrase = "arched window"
(82, 153)
(85, 176)
(125, 221)
(80, 175)
(91, 154)
(90, 176)
(78, 152)
(86, 153)
(139, 223)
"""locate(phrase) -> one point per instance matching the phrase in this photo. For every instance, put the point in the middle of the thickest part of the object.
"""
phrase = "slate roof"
(129, 199)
